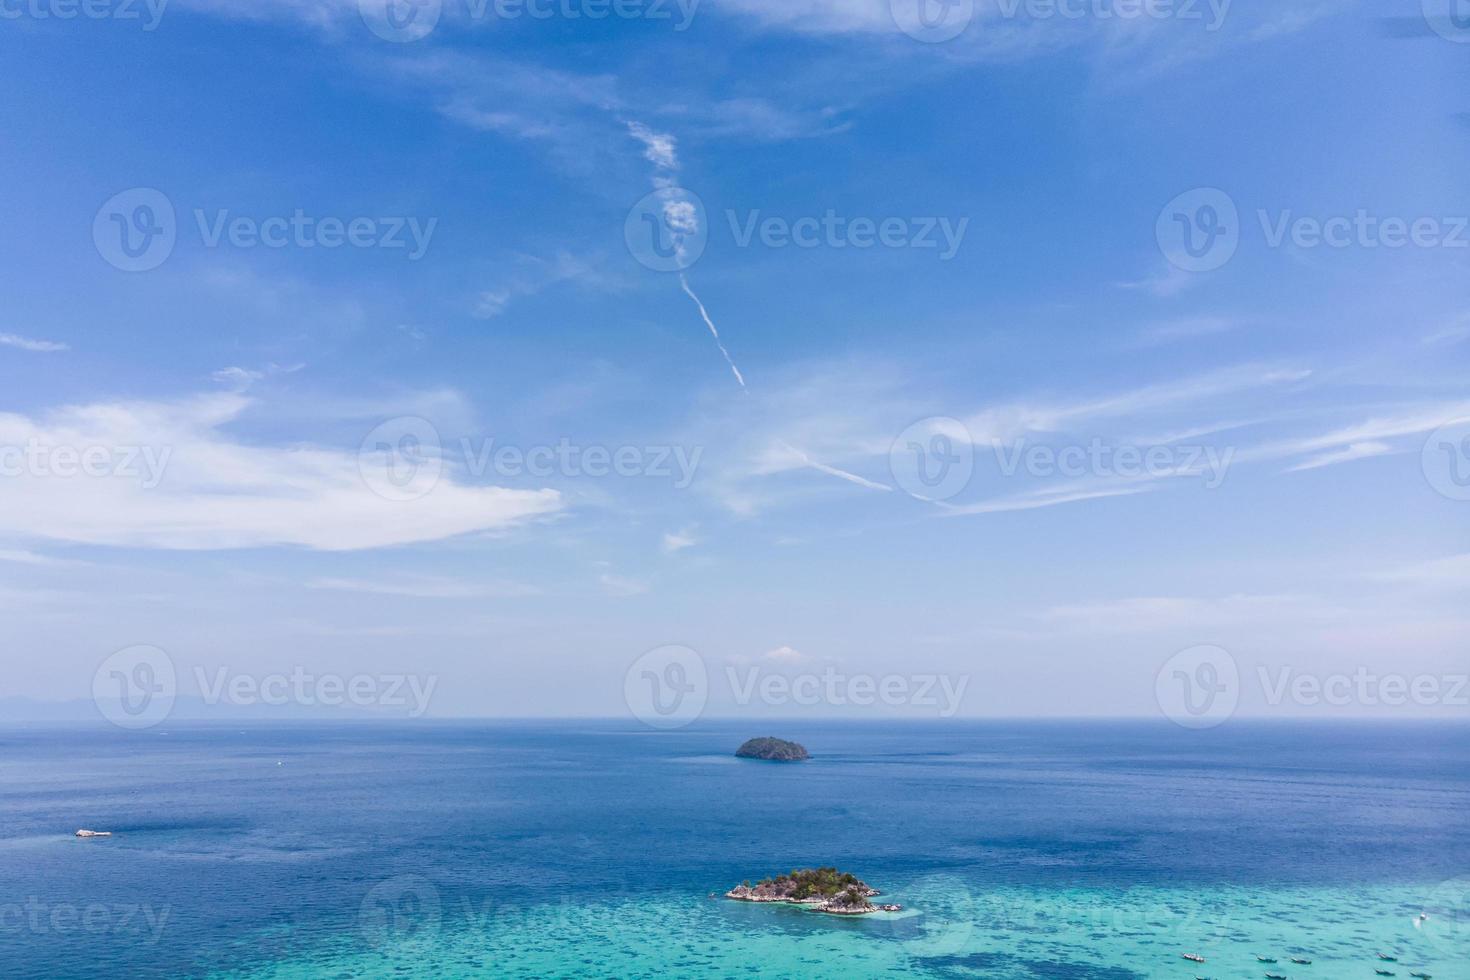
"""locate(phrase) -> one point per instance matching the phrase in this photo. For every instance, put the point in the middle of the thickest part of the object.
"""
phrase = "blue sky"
(1324, 540)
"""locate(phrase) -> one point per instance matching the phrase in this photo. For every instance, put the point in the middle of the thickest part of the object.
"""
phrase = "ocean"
(598, 848)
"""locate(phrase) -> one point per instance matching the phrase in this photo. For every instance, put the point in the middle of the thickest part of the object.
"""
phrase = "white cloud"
(617, 585)
(1186, 328)
(784, 655)
(168, 475)
(30, 344)
(427, 587)
(491, 303)
(237, 377)
(1167, 281)
(679, 540)
(531, 274)
(1039, 499)
(29, 558)
(1361, 439)
(1357, 450)
(1153, 613)
(1451, 573)
(1455, 332)
(659, 149)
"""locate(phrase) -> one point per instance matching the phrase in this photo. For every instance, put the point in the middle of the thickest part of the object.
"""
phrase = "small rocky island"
(772, 750)
(824, 889)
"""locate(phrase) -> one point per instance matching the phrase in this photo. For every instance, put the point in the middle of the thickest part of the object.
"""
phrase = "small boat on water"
(1421, 976)
(1264, 959)
(1385, 973)
(1193, 957)
(1298, 959)
(1275, 976)
(1388, 959)
(94, 833)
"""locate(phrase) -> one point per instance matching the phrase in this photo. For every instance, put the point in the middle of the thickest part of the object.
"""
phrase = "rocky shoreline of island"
(820, 889)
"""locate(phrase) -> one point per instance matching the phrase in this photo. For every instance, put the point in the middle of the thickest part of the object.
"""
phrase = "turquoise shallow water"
(592, 849)
(949, 932)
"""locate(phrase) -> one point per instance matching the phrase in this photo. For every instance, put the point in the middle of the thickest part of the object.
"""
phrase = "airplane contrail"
(713, 332)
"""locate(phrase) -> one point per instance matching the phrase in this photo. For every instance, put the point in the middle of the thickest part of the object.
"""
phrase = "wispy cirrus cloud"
(841, 421)
(31, 344)
(529, 275)
(171, 475)
(426, 587)
(676, 541)
(1347, 454)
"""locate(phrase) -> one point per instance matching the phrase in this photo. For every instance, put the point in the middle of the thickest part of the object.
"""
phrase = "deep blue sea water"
(1084, 850)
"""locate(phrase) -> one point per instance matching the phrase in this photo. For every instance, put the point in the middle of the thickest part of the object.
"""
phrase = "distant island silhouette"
(772, 750)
